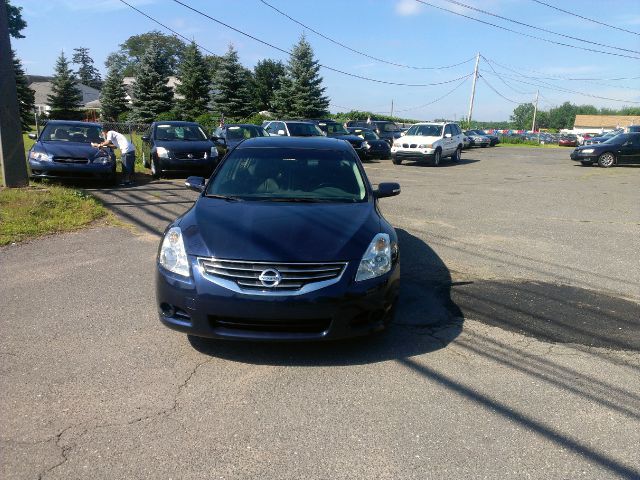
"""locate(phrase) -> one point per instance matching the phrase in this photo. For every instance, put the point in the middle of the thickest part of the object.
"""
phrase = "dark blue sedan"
(285, 242)
(63, 150)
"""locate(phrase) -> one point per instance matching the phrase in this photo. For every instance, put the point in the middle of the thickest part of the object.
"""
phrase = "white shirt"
(121, 141)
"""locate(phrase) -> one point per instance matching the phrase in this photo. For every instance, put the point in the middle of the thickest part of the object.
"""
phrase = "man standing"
(127, 153)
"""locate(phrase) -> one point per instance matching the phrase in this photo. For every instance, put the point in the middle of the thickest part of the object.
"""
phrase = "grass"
(36, 211)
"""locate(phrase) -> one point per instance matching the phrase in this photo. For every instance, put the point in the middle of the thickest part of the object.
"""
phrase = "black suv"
(386, 130)
(178, 146)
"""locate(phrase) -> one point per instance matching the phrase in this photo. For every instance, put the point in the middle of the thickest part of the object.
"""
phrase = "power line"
(333, 69)
(585, 18)
(437, 99)
(526, 34)
(455, 2)
(336, 42)
(555, 77)
(552, 78)
(503, 80)
(281, 49)
(565, 90)
(499, 94)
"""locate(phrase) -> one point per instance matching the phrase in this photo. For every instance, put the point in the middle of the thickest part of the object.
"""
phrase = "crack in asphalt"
(66, 449)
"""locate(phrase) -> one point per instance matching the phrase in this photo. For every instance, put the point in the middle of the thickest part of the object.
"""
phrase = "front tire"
(396, 160)
(436, 158)
(606, 160)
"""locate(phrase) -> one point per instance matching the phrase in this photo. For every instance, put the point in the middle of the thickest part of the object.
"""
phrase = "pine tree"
(233, 85)
(151, 94)
(113, 98)
(87, 74)
(26, 96)
(267, 75)
(66, 97)
(302, 93)
(193, 75)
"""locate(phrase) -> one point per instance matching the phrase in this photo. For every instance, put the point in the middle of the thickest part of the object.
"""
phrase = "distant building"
(128, 82)
(603, 123)
(42, 88)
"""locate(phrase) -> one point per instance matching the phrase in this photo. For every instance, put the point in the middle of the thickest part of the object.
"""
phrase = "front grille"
(312, 325)
(407, 145)
(194, 155)
(294, 276)
(71, 160)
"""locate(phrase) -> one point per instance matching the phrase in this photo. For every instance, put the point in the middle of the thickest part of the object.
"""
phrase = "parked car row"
(619, 149)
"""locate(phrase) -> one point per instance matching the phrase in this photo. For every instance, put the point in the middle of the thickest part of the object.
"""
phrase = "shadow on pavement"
(426, 320)
(444, 163)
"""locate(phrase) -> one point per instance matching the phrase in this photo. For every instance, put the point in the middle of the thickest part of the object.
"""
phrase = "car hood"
(419, 139)
(268, 231)
(349, 138)
(67, 149)
(185, 146)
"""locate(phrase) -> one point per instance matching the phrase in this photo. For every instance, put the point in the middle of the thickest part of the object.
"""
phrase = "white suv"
(429, 141)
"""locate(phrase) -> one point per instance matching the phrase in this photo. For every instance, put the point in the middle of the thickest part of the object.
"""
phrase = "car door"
(448, 141)
(630, 150)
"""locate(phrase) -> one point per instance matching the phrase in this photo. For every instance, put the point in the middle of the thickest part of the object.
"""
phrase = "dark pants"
(128, 164)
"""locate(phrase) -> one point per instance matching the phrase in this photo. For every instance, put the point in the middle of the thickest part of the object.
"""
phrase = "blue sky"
(398, 31)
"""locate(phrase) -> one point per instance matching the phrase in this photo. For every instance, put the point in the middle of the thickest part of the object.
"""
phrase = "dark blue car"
(63, 150)
(285, 242)
(231, 134)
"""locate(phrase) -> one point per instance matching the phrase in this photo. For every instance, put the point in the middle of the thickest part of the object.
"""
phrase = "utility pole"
(535, 111)
(473, 89)
(12, 161)
(392, 107)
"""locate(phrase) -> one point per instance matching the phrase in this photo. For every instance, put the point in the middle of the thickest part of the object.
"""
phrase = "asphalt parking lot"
(515, 352)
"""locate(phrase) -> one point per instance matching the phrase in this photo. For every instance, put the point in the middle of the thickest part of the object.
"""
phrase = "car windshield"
(186, 133)
(241, 132)
(425, 130)
(288, 174)
(71, 133)
(388, 127)
(335, 128)
(304, 130)
(620, 138)
(366, 134)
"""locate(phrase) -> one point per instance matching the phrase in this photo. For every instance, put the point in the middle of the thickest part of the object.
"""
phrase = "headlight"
(214, 152)
(172, 255)
(41, 156)
(162, 152)
(376, 260)
(588, 150)
(425, 145)
(102, 157)
(397, 144)
(365, 144)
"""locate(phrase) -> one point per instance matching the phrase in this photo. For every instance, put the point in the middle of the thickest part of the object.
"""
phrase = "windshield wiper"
(223, 197)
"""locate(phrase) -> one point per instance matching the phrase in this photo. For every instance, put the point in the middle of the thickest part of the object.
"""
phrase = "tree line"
(560, 117)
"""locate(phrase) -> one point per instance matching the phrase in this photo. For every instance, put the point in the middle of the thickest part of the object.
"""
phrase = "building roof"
(43, 89)
(606, 121)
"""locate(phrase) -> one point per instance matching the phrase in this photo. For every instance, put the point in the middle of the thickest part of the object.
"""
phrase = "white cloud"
(408, 7)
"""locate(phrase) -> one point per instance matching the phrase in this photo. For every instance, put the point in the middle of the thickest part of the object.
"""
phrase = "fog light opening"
(167, 310)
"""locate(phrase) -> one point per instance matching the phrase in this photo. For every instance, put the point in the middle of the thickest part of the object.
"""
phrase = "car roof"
(175, 122)
(296, 142)
(431, 123)
(240, 125)
(73, 122)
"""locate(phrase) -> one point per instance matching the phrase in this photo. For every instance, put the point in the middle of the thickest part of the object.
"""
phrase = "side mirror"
(33, 136)
(387, 189)
(145, 138)
(282, 132)
(195, 183)
(402, 134)
(447, 135)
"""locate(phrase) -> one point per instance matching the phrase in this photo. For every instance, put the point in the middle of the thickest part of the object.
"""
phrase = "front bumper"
(170, 164)
(40, 169)
(578, 156)
(199, 307)
(413, 153)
